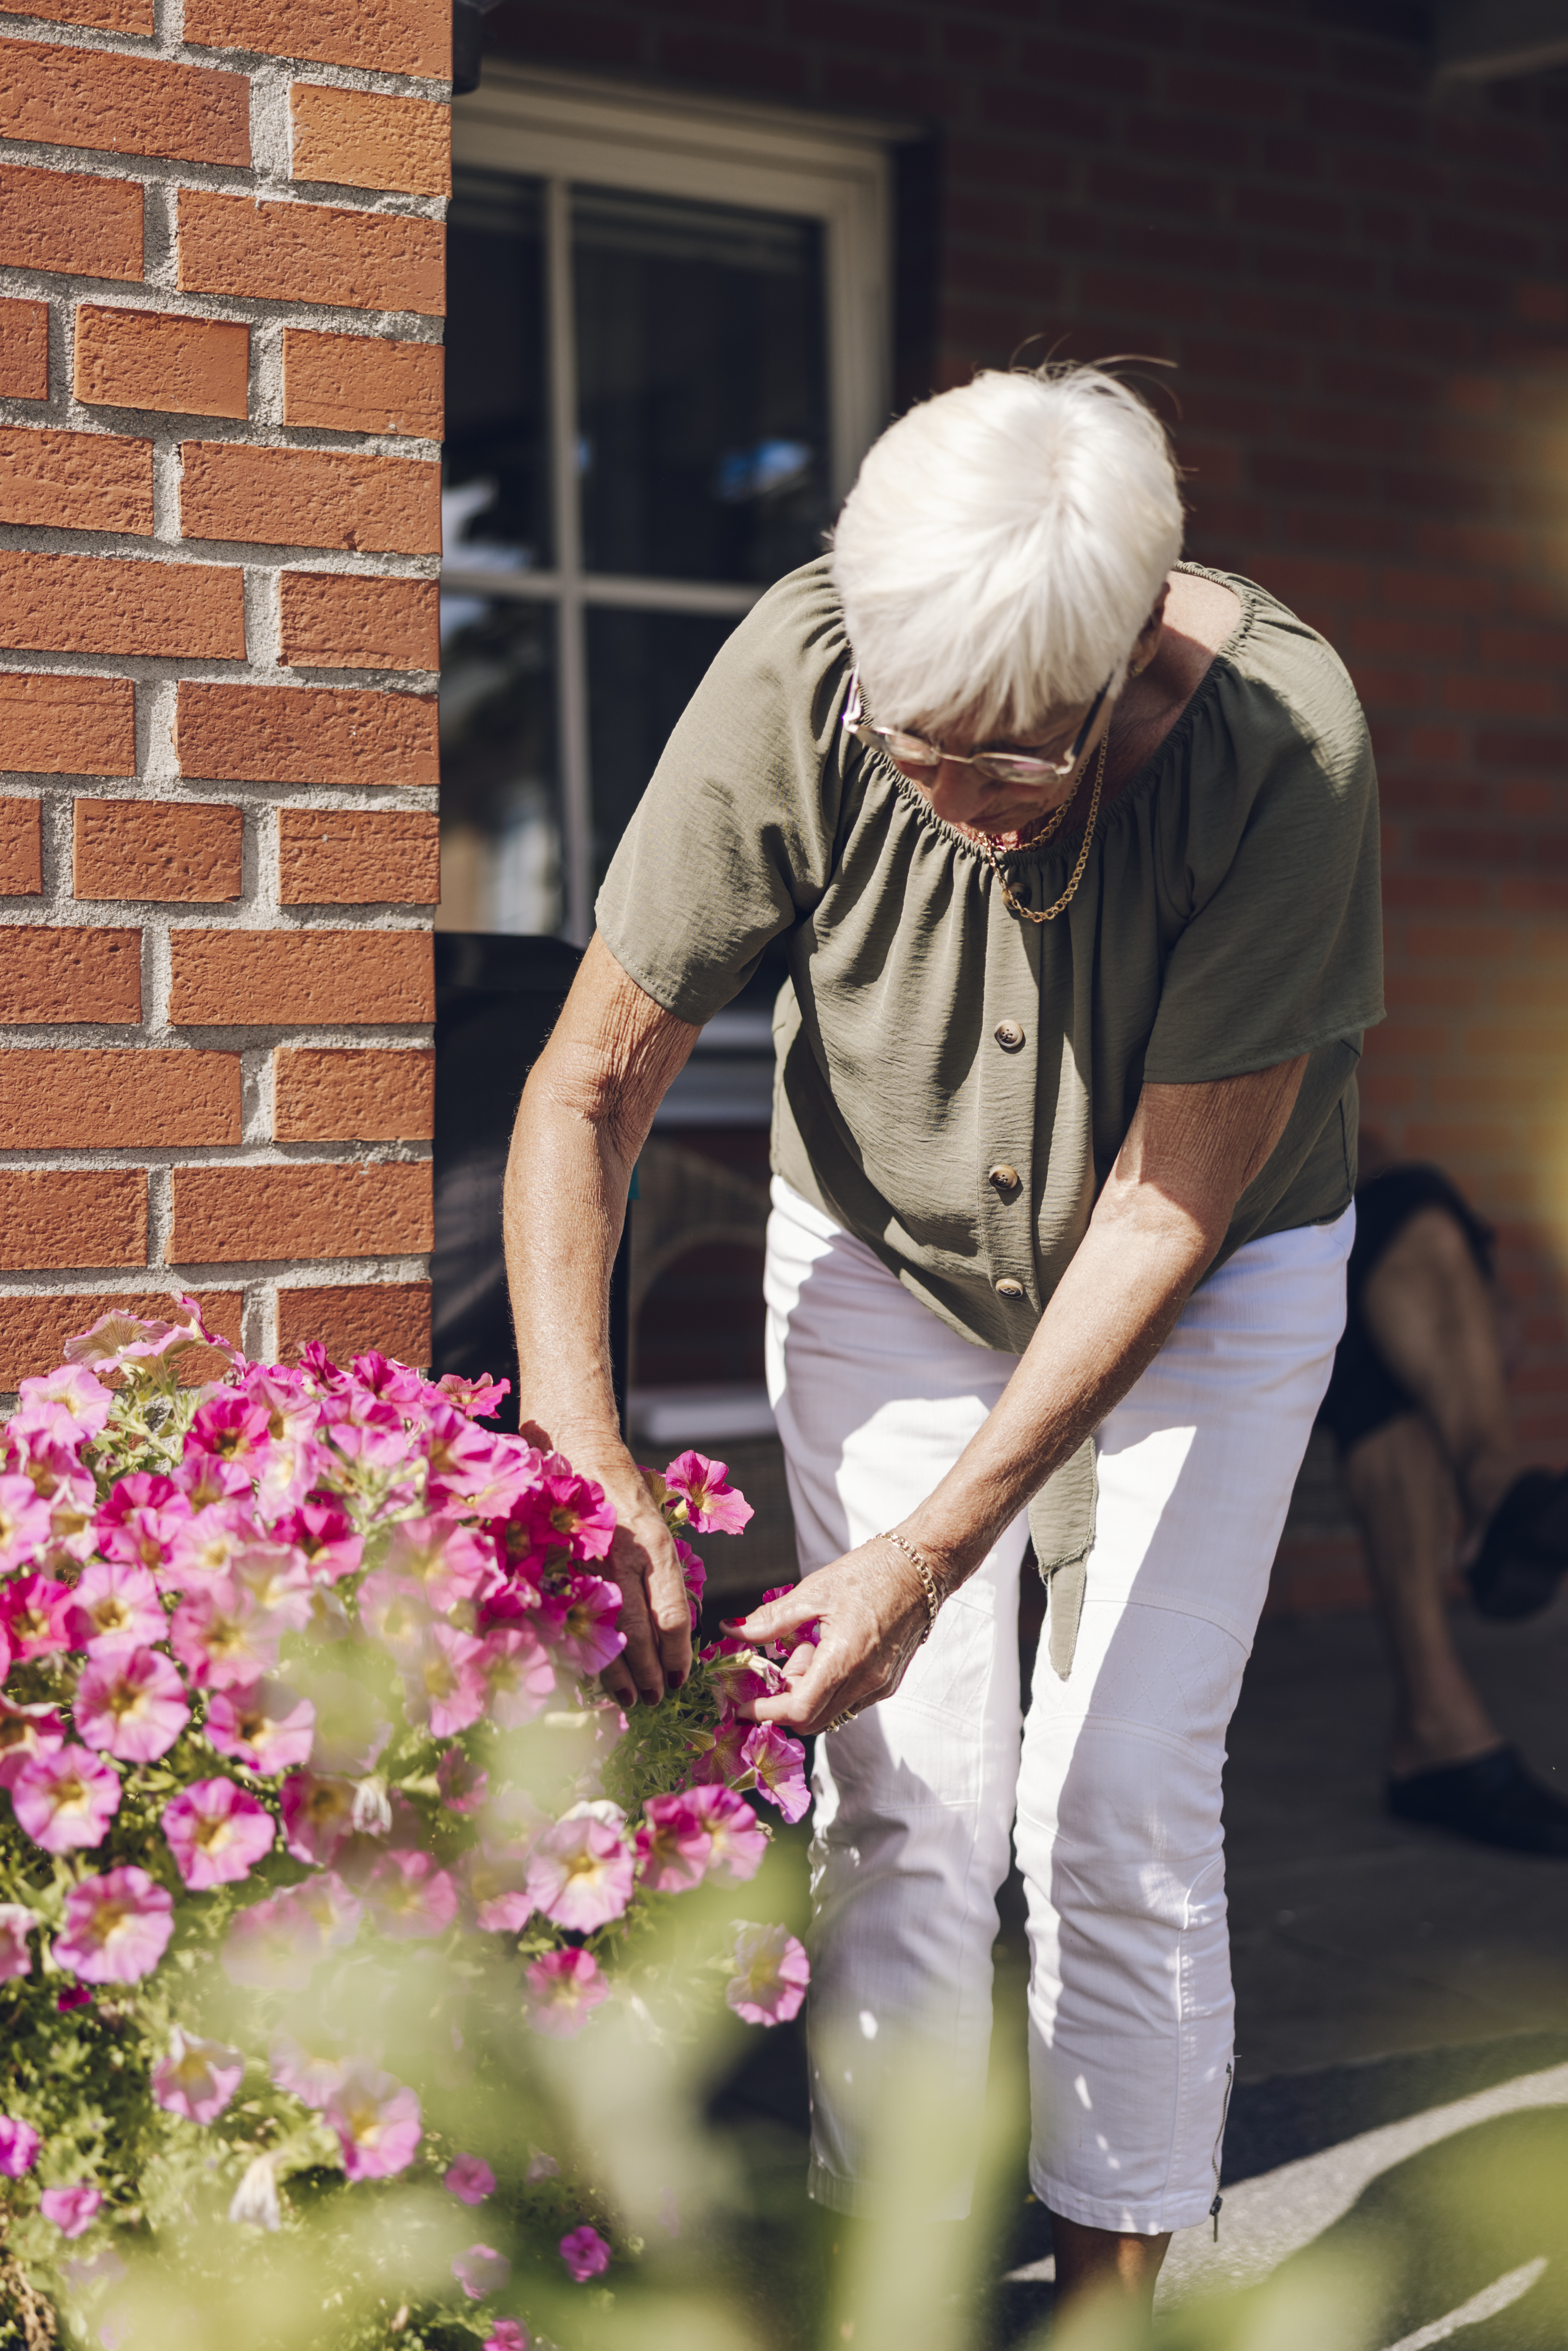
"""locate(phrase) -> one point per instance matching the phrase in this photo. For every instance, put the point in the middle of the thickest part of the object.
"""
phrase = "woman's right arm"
(584, 1117)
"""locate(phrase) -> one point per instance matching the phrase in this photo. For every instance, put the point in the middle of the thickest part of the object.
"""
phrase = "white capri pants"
(1116, 1790)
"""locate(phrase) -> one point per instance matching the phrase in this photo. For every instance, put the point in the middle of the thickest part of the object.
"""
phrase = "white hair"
(1003, 545)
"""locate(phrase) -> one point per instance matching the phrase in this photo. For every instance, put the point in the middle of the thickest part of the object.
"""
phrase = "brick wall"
(221, 292)
(1366, 291)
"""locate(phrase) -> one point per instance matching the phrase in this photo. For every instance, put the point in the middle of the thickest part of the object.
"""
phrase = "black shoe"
(1524, 1555)
(1492, 1799)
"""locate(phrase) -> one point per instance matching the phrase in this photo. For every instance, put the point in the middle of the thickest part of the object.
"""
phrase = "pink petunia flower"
(217, 1832)
(324, 1536)
(771, 1972)
(331, 1905)
(35, 1610)
(493, 1878)
(16, 1924)
(480, 1397)
(741, 1675)
(265, 1725)
(779, 1764)
(65, 1799)
(540, 2167)
(737, 1841)
(445, 1558)
(61, 1481)
(233, 1427)
(571, 1513)
(447, 1688)
(587, 1634)
(312, 2077)
(130, 1703)
(72, 2210)
(115, 1600)
(272, 1576)
(380, 1376)
(202, 1546)
(26, 1731)
(197, 2078)
(317, 1814)
(141, 1519)
(85, 1400)
(209, 1482)
(470, 2178)
(518, 1673)
(696, 1576)
(674, 1847)
(461, 1457)
(409, 1898)
(273, 1946)
(23, 1523)
(377, 2120)
(117, 1927)
(395, 1611)
(711, 1504)
(580, 1874)
(563, 1989)
(19, 2144)
(507, 2333)
(585, 2253)
(481, 2271)
(121, 1338)
(222, 1638)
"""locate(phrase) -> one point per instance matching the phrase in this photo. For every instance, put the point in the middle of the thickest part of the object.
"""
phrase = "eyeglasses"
(999, 767)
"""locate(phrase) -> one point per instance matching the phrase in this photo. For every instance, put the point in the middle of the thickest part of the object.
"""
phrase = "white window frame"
(560, 129)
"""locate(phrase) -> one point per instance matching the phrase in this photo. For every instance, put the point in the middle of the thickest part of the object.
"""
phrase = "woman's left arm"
(1190, 1153)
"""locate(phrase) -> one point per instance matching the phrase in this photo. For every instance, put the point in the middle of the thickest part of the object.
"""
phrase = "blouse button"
(1008, 1035)
(1004, 1177)
(1008, 1287)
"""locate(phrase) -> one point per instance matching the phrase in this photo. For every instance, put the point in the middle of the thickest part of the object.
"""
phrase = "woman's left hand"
(870, 1613)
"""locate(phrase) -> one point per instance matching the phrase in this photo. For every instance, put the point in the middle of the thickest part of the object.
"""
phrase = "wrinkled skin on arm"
(584, 1117)
(1190, 1153)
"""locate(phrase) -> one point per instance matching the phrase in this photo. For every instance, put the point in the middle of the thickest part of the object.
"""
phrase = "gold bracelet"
(927, 1581)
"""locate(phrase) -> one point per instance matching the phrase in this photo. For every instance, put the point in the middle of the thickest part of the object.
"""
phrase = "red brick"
(51, 973)
(301, 978)
(406, 37)
(149, 359)
(336, 1094)
(331, 620)
(169, 851)
(21, 849)
(89, 604)
(347, 857)
(309, 497)
(92, 1216)
(65, 220)
(359, 139)
(75, 481)
(313, 734)
(54, 725)
(118, 1100)
(310, 253)
(363, 383)
(391, 1319)
(102, 16)
(33, 1328)
(229, 1215)
(24, 350)
(63, 95)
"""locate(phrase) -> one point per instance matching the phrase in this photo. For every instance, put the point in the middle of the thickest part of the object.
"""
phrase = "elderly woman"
(1073, 850)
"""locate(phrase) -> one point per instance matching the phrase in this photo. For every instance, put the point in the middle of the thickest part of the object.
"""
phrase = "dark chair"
(497, 1000)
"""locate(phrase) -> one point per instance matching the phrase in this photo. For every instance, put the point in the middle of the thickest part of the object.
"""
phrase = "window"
(667, 330)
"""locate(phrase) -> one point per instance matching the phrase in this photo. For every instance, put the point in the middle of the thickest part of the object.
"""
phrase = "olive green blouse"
(1228, 919)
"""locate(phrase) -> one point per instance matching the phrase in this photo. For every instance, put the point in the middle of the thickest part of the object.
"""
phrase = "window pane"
(642, 670)
(702, 388)
(496, 509)
(500, 804)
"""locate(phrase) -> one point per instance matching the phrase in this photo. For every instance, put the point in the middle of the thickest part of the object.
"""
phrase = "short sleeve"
(733, 840)
(1281, 951)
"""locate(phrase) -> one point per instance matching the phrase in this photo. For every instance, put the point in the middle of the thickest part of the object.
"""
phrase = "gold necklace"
(1027, 913)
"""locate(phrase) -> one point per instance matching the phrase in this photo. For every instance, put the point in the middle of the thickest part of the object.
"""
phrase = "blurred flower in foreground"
(198, 2077)
(17, 1922)
(564, 1988)
(481, 2271)
(18, 2146)
(72, 2210)
(585, 2253)
(254, 2200)
(470, 2178)
(772, 1975)
(376, 2121)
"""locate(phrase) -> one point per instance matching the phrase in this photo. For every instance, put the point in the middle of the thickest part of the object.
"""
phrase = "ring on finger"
(850, 1714)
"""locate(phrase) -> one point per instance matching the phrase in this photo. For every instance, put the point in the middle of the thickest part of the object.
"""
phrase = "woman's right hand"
(655, 1614)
